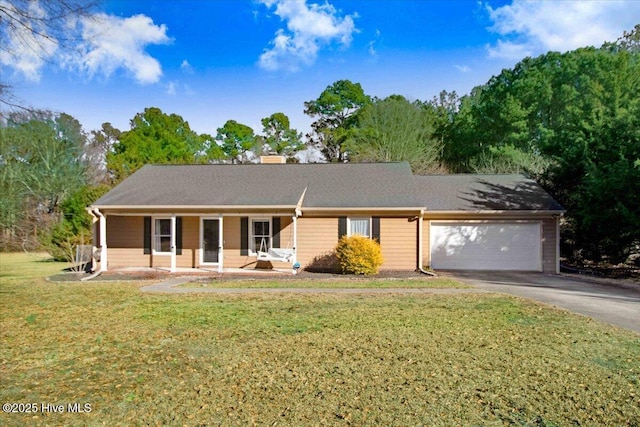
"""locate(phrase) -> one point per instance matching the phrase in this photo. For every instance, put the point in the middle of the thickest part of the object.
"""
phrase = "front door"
(210, 240)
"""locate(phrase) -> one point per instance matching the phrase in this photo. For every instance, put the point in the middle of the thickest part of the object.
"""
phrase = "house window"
(361, 226)
(162, 235)
(260, 239)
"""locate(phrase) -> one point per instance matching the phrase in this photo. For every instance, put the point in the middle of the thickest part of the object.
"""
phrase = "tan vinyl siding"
(125, 232)
(316, 237)
(231, 235)
(426, 252)
(398, 241)
(190, 242)
(231, 244)
(231, 247)
(161, 261)
(549, 246)
(125, 242)
(286, 241)
(286, 232)
(125, 257)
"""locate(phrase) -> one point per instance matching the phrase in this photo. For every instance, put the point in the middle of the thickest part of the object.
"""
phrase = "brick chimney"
(273, 159)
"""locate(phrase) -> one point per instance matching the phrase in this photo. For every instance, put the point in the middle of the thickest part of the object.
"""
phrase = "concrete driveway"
(614, 303)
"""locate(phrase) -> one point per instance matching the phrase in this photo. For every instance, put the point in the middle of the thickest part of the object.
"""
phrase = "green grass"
(351, 283)
(18, 267)
(437, 360)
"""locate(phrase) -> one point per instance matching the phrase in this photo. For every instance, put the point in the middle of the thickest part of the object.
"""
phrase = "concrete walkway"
(170, 285)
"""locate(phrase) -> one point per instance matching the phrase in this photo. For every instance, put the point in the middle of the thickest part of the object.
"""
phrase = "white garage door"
(485, 246)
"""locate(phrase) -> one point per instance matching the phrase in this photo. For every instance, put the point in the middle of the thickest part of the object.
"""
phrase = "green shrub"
(61, 241)
(359, 255)
(75, 225)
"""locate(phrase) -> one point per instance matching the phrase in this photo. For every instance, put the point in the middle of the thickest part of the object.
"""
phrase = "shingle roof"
(365, 185)
(328, 185)
(508, 192)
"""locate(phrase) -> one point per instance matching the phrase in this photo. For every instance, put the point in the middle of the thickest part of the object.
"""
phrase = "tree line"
(571, 121)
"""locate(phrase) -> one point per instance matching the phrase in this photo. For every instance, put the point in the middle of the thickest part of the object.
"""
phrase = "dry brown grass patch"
(440, 360)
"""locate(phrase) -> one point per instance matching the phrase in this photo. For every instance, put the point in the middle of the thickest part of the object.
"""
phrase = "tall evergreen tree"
(155, 137)
(335, 110)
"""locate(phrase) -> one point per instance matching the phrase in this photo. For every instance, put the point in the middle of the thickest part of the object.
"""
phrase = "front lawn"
(437, 360)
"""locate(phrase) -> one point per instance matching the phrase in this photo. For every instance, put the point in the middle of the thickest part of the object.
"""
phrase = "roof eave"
(188, 207)
(530, 212)
(364, 208)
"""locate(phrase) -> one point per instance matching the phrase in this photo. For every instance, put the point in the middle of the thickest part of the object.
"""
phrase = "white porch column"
(173, 243)
(420, 234)
(295, 239)
(220, 246)
(103, 240)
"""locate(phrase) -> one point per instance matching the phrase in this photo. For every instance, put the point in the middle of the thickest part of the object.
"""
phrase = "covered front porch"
(195, 242)
(203, 271)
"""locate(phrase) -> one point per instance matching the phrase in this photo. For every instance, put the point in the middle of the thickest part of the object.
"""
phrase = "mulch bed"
(603, 271)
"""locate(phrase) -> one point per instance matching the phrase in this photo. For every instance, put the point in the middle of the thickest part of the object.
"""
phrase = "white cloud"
(372, 48)
(174, 88)
(24, 50)
(510, 50)
(372, 44)
(309, 27)
(111, 43)
(529, 28)
(171, 88)
(186, 67)
(104, 44)
(462, 68)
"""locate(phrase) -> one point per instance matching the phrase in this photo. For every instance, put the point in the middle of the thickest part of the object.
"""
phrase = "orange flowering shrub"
(359, 255)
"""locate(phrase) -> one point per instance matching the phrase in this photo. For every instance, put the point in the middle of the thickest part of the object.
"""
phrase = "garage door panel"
(487, 246)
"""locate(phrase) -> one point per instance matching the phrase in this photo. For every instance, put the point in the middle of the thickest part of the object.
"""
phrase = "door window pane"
(211, 240)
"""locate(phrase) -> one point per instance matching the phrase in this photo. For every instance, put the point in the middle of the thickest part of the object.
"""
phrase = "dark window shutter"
(147, 235)
(375, 228)
(179, 235)
(342, 226)
(275, 223)
(244, 235)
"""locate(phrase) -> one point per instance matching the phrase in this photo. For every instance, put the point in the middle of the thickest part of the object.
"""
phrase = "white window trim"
(368, 218)
(252, 249)
(153, 235)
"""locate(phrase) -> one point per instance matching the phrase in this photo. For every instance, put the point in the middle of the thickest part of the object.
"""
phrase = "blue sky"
(211, 61)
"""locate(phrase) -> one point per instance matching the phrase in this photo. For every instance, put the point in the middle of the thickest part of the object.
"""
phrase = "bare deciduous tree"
(32, 32)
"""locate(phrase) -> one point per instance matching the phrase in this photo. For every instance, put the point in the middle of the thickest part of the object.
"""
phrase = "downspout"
(172, 243)
(103, 243)
(297, 213)
(294, 259)
(420, 248)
